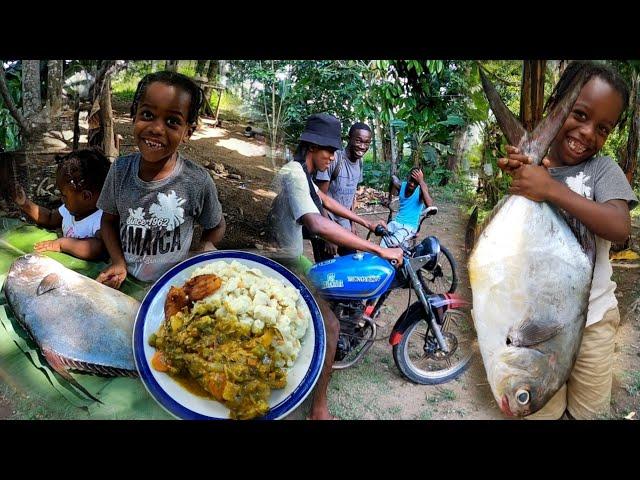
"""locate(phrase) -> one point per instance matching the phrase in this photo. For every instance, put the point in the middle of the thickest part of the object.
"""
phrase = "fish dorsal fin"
(471, 231)
(48, 283)
(509, 124)
(532, 331)
(479, 229)
(585, 237)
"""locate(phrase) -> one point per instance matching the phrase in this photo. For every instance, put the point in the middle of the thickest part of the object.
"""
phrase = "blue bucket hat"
(323, 130)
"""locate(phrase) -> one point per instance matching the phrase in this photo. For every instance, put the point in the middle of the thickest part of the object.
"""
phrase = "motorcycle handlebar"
(380, 231)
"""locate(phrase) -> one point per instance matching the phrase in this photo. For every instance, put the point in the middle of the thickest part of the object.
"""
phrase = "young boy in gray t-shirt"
(593, 190)
(157, 229)
(151, 199)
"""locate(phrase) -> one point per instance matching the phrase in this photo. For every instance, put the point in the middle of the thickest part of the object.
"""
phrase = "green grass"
(124, 89)
(633, 385)
(124, 86)
(442, 395)
(353, 392)
(425, 415)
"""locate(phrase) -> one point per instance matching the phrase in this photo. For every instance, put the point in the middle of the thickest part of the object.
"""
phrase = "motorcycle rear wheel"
(443, 278)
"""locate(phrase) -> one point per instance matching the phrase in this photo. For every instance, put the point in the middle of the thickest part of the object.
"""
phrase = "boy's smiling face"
(161, 121)
(592, 118)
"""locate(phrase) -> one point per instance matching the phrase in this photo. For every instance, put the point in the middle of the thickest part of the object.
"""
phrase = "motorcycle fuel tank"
(356, 276)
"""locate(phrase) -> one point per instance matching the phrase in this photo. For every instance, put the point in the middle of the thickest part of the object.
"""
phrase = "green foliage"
(375, 174)
(229, 103)
(335, 87)
(123, 85)
(9, 130)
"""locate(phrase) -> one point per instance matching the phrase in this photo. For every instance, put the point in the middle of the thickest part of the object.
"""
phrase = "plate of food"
(229, 334)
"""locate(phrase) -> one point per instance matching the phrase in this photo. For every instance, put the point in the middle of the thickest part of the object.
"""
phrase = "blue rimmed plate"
(181, 403)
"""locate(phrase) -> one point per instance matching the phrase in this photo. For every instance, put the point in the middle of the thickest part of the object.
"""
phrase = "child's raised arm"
(84, 248)
(44, 217)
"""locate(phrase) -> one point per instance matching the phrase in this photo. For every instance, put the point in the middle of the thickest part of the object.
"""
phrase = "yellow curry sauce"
(221, 358)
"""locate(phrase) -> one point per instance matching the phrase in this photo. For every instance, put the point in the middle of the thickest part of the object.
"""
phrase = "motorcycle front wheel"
(418, 356)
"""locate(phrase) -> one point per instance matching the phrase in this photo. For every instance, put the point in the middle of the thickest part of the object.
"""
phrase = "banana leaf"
(27, 383)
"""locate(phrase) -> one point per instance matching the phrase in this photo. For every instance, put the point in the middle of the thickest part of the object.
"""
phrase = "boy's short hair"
(174, 79)
(359, 126)
(84, 169)
(589, 69)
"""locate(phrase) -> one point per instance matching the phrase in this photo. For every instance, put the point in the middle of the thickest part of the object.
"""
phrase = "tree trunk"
(454, 159)
(212, 75)
(201, 66)
(380, 142)
(31, 104)
(10, 105)
(532, 94)
(109, 140)
(374, 143)
(54, 88)
(171, 65)
(101, 131)
(629, 155)
(394, 150)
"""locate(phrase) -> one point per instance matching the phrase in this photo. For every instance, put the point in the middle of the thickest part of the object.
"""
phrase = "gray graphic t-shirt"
(343, 188)
(599, 179)
(157, 218)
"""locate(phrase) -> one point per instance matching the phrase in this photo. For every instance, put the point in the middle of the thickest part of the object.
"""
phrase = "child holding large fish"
(151, 199)
(594, 190)
(80, 177)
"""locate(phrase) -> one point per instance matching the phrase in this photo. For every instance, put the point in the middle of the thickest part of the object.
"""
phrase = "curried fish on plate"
(231, 333)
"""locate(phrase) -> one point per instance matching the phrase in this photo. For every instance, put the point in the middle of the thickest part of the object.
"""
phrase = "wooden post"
(109, 140)
(629, 155)
(221, 90)
(76, 123)
(54, 88)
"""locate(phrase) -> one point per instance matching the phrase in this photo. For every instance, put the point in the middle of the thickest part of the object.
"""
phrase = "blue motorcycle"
(433, 339)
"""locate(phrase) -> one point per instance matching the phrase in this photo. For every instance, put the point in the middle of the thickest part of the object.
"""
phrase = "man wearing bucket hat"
(300, 202)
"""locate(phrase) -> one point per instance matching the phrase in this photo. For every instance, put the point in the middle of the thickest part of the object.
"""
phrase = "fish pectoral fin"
(48, 283)
(54, 361)
(533, 331)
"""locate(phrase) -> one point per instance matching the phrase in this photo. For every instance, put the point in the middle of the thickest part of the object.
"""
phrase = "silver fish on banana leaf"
(78, 323)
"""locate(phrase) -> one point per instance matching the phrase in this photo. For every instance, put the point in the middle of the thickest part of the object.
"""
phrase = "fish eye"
(523, 397)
